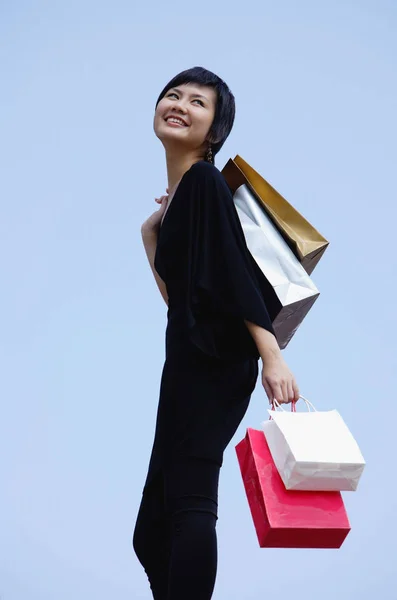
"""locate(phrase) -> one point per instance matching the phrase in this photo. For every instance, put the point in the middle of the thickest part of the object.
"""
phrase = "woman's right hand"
(152, 224)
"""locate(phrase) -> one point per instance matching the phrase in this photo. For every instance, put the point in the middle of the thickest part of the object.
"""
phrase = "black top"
(221, 282)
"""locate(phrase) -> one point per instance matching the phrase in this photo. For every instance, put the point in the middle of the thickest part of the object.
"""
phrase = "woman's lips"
(178, 121)
(173, 124)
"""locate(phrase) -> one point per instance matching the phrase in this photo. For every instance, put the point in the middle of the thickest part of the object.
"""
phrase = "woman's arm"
(277, 379)
(149, 231)
(149, 238)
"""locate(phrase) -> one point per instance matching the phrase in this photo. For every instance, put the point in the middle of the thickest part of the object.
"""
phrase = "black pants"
(175, 532)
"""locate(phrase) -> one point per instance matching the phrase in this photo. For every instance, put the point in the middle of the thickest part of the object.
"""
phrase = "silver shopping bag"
(293, 292)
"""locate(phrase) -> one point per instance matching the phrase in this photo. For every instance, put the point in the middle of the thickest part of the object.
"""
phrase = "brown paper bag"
(306, 242)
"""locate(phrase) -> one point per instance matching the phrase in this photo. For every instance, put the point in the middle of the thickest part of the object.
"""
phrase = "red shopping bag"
(287, 518)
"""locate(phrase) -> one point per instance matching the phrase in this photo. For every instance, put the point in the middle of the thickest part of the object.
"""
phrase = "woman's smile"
(175, 122)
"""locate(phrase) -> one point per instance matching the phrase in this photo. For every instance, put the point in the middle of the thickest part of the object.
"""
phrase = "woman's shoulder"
(208, 173)
(204, 168)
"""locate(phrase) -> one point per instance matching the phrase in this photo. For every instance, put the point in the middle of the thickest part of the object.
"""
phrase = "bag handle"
(309, 405)
(276, 404)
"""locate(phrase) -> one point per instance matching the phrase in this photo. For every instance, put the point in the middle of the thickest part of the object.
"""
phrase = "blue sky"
(82, 324)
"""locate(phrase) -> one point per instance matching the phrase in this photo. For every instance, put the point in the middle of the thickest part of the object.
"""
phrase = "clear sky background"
(82, 323)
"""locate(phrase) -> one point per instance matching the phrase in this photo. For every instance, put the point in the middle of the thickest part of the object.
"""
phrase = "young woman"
(218, 327)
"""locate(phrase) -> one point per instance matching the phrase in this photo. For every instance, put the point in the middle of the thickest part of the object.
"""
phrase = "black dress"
(213, 284)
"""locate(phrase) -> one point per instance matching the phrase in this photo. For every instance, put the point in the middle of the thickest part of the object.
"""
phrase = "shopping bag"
(291, 291)
(304, 240)
(314, 450)
(282, 518)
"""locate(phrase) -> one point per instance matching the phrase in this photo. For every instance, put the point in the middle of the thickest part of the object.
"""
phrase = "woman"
(218, 327)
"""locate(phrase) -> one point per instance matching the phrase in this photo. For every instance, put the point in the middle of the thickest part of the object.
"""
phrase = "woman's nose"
(180, 107)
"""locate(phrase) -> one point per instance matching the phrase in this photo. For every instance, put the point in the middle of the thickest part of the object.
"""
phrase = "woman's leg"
(191, 495)
(178, 547)
(151, 539)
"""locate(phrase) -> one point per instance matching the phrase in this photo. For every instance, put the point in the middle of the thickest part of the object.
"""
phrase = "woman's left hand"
(277, 379)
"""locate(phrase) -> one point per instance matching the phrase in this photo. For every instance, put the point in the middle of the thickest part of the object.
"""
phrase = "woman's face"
(184, 116)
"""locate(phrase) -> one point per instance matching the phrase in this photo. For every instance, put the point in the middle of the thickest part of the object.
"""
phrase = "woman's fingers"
(278, 393)
(296, 391)
(269, 391)
(291, 393)
(284, 392)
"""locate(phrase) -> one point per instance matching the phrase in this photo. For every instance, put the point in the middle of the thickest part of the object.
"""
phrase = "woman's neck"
(177, 165)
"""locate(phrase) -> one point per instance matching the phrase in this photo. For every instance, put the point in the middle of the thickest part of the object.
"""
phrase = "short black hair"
(225, 105)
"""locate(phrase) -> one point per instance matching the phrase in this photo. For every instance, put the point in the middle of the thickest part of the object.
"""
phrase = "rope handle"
(309, 405)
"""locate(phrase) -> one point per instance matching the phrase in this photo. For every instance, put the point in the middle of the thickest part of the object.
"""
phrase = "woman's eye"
(172, 94)
(199, 101)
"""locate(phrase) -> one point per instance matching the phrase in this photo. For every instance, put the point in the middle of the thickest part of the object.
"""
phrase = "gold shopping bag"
(305, 241)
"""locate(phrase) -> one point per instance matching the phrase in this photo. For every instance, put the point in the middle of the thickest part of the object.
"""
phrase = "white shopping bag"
(314, 450)
(292, 293)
